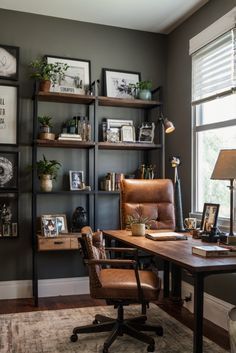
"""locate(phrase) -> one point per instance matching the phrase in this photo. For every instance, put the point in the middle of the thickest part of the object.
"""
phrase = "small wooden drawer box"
(65, 242)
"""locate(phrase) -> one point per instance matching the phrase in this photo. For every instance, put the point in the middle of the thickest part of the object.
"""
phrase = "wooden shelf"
(103, 192)
(65, 143)
(65, 98)
(127, 146)
(128, 103)
(65, 192)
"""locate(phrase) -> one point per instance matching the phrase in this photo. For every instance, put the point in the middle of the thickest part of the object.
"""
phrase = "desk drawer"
(58, 243)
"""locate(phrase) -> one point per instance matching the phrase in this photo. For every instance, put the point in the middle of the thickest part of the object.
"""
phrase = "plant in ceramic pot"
(144, 90)
(137, 222)
(45, 128)
(47, 73)
(71, 126)
(47, 172)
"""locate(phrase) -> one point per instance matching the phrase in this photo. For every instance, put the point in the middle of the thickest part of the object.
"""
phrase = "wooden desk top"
(177, 251)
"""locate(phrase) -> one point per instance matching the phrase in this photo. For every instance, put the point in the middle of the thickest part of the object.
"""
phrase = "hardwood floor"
(211, 331)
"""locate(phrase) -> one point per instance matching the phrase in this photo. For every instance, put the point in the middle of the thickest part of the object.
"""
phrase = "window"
(213, 117)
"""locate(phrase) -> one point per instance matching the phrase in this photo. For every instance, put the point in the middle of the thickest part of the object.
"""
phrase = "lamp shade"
(225, 167)
(168, 126)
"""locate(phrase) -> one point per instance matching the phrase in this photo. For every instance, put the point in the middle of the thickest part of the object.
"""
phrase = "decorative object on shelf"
(190, 223)
(47, 172)
(9, 170)
(53, 225)
(47, 72)
(79, 219)
(137, 222)
(111, 182)
(8, 214)
(209, 217)
(175, 162)
(225, 169)
(71, 126)
(76, 80)
(146, 171)
(76, 180)
(143, 90)
(45, 128)
(118, 83)
(146, 132)
(127, 133)
(9, 111)
(9, 62)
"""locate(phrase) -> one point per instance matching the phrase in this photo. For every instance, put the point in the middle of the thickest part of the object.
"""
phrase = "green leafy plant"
(45, 120)
(48, 167)
(144, 85)
(137, 218)
(42, 70)
(71, 122)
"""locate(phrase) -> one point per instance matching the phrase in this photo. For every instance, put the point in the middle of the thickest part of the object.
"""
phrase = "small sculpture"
(79, 219)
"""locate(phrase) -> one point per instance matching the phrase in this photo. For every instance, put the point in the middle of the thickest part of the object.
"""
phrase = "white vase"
(138, 229)
(232, 329)
(45, 183)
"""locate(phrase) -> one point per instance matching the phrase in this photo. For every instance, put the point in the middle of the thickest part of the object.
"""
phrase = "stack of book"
(166, 236)
(70, 137)
(212, 251)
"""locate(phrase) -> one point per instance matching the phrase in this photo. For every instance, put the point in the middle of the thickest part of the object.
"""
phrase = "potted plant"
(45, 128)
(47, 72)
(144, 90)
(47, 172)
(71, 125)
(137, 222)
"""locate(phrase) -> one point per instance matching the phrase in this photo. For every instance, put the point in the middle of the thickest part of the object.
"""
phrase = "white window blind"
(214, 67)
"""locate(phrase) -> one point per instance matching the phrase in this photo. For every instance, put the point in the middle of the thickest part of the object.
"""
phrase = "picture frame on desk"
(9, 62)
(118, 83)
(53, 225)
(77, 78)
(209, 216)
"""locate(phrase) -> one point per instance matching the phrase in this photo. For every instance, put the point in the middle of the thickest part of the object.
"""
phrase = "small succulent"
(45, 120)
(137, 217)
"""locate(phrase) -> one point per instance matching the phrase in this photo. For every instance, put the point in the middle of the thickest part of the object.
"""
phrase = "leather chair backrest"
(154, 197)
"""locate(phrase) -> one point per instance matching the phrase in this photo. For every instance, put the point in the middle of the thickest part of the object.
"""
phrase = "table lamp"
(225, 169)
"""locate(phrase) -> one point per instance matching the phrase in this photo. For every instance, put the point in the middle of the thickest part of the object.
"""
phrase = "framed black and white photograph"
(77, 77)
(9, 62)
(146, 133)
(76, 180)
(61, 223)
(118, 84)
(127, 133)
(9, 98)
(8, 214)
(209, 216)
(9, 170)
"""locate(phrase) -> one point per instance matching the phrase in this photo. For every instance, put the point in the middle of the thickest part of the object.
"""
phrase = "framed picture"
(9, 170)
(117, 123)
(77, 76)
(76, 179)
(8, 214)
(127, 133)
(209, 216)
(118, 83)
(113, 134)
(9, 98)
(53, 225)
(146, 133)
(9, 62)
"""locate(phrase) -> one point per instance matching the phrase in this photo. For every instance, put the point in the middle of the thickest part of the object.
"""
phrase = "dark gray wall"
(178, 108)
(105, 47)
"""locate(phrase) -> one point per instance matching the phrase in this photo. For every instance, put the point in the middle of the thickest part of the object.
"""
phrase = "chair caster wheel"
(151, 348)
(159, 331)
(73, 338)
(95, 322)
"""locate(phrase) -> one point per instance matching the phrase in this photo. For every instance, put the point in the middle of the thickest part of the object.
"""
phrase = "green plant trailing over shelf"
(44, 71)
(47, 167)
(45, 120)
(137, 218)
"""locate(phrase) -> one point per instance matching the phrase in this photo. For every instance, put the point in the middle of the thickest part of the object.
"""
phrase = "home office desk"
(179, 253)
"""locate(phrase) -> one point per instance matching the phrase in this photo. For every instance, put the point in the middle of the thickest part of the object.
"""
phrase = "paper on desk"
(166, 236)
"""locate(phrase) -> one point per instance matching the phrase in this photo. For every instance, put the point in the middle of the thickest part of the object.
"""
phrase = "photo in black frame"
(9, 162)
(209, 216)
(9, 62)
(9, 215)
(9, 114)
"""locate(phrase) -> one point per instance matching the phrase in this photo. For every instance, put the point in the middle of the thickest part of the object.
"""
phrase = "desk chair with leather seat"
(119, 287)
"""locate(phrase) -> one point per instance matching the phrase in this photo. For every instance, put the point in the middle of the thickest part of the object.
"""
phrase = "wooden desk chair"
(119, 287)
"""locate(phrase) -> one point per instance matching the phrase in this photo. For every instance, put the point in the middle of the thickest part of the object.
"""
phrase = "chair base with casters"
(119, 326)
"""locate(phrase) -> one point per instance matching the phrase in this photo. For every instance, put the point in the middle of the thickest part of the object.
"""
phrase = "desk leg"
(166, 289)
(176, 283)
(198, 313)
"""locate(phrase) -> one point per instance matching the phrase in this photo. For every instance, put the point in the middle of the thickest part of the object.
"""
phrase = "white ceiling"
(159, 16)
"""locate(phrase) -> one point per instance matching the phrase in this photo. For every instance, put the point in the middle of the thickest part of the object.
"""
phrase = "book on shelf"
(212, 251)
(166, 236)
(69, 138)
(69, 135)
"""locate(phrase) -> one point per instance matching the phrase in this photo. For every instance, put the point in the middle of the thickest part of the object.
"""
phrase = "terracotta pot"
(44, 85)
(138, 229)
(45, 183)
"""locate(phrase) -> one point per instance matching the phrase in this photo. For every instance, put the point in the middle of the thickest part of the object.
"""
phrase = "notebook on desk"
(166, 236)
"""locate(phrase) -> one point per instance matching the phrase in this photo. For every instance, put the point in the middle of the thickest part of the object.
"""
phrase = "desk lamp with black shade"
(225, 169)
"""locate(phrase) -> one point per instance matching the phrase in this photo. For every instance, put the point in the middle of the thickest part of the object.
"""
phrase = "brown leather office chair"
(119, 287)
(155, 198)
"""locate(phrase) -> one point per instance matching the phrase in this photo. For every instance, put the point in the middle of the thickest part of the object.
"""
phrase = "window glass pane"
(209, 143)
(220, 109)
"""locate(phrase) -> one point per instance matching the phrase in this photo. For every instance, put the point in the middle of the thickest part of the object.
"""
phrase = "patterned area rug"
(49, 332)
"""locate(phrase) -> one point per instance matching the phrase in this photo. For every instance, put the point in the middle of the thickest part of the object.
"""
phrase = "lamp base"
(228, 239)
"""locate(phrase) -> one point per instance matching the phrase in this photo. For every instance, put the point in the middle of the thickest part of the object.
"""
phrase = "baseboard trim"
(215, 310)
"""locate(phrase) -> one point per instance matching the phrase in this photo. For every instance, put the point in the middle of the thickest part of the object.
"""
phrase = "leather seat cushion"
(121, 284)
